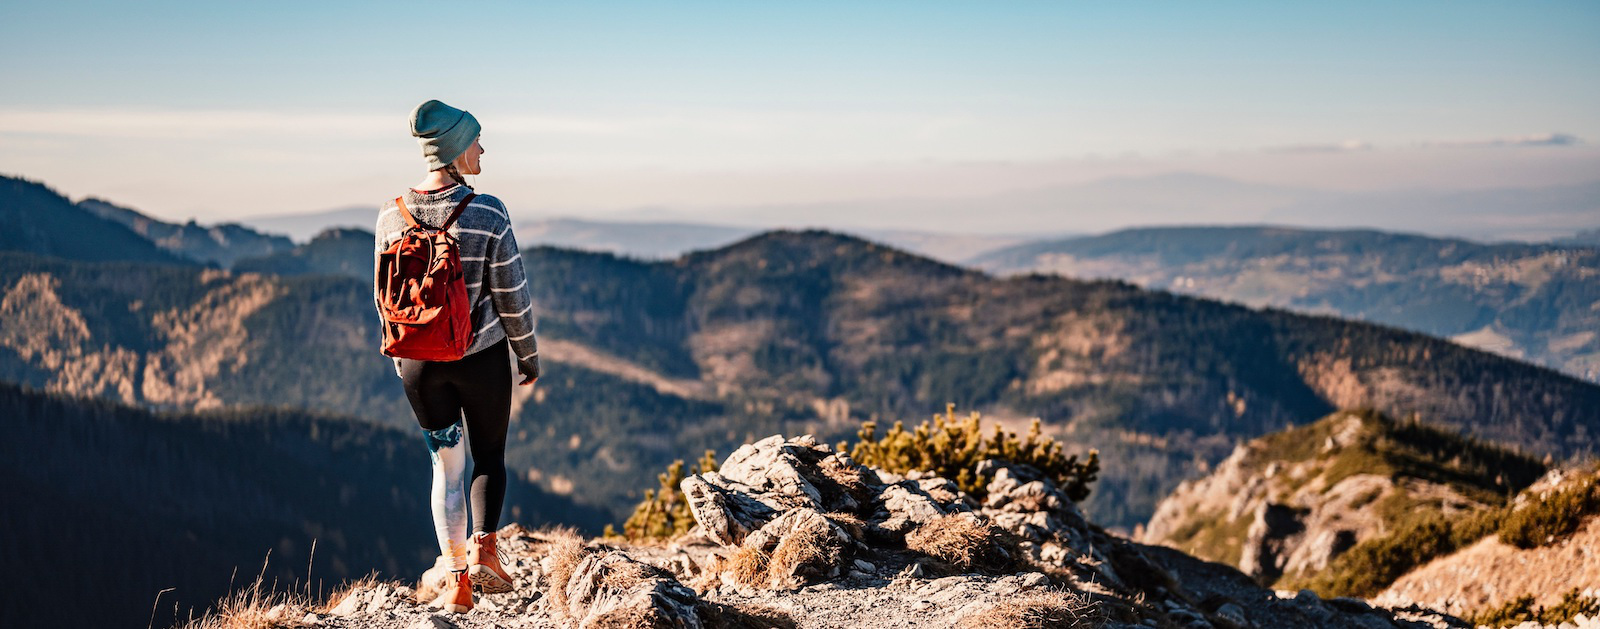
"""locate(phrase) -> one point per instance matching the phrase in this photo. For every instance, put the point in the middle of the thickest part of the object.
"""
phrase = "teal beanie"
(443, 131)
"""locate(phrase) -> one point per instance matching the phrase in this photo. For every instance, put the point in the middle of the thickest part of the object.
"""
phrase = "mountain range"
(807, 331)
(1530, 301)
(781, 332)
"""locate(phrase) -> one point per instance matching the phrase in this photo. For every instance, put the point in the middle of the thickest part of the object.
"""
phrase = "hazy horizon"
(729, 113)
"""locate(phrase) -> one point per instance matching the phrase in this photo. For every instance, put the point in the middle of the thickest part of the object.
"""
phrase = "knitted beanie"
(443, 131)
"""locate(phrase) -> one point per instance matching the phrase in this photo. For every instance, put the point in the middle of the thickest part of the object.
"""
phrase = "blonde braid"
(450, 169)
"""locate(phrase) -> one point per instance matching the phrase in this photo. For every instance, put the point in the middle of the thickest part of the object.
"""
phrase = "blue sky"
(609, 107)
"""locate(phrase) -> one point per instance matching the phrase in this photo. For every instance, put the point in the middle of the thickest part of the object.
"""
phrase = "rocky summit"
(791, 533)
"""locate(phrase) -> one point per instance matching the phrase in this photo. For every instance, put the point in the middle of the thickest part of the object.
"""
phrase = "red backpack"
(422, 295)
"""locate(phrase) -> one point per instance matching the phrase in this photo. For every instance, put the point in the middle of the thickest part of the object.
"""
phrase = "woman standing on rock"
(478, 385)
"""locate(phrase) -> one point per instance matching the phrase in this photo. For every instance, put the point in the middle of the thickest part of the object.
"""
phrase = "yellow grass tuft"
(749, 566)
(803, 546)
(255, 607)
(566, 551)
(956, 539)
(849, 522)
(624, 575)
(1041, 609)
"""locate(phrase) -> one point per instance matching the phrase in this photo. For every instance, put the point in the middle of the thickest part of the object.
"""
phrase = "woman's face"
(468, 163)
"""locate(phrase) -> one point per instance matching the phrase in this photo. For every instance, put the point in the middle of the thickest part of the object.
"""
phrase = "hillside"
(787, 332)
(40, 221)
(1494, 572)
(790, 533)
(1530, 301)
(1283, 506)
(134, 502)
(220, 244)
(337, 251)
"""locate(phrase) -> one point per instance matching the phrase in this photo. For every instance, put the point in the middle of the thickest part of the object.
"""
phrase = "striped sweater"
(497, 285)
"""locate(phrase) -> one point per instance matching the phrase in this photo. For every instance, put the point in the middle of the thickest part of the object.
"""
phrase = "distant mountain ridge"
(1531, 301)
(221, 244)
(786, 332)
(651, 240)
(48, 223)
(41, 221)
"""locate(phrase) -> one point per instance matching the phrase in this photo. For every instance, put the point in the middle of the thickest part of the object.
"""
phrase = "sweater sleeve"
(508, 288)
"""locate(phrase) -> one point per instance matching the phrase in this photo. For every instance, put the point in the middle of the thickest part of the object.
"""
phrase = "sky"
(217, 111)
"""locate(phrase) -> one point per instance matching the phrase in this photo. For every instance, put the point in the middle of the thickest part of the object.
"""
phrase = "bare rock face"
(786, 518)
(1276, 529)
(1287, 504)
(793, 534)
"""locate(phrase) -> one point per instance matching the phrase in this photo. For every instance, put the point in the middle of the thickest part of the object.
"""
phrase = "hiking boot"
(458, 599)
(483, 563)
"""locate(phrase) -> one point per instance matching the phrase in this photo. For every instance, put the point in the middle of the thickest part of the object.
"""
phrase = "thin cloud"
(1352, 146)
(1542, 139)
(1347, 146)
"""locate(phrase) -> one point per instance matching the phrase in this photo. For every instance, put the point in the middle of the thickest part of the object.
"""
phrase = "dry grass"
(364, 583)
(749, 565)
(624, 575)
(565, 552)
(255, 607)
(955, 539)
(1042, 609)
(801, 547)
(849, 522)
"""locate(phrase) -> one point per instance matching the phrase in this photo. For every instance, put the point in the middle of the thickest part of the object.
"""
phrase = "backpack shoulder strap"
(399, 202)
(457, 212)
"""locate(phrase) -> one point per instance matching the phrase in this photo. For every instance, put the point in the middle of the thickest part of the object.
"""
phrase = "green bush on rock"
(953, 448)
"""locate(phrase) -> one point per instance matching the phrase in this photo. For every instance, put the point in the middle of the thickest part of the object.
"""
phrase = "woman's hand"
(529, 371)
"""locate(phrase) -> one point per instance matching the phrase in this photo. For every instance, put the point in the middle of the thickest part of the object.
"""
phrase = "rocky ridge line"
(793, 534)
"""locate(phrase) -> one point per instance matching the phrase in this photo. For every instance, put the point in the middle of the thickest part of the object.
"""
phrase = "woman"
(478, 386)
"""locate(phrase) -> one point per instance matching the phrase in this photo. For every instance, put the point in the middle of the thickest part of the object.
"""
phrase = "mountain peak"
(789, 250)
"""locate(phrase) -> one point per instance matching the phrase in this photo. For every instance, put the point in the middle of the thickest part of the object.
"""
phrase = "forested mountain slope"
(789, 332)
(38, 220)
(119, 503)
(1531, 301)
(220, 244)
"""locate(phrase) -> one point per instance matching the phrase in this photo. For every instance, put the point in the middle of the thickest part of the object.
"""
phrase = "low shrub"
(664, 513)
(953, 448)
(1544, 521)
(1521, 609)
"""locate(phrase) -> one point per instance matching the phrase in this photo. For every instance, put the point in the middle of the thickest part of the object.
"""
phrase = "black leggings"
(479, 387)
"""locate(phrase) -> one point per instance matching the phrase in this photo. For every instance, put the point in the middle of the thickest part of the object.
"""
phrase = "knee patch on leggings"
(442, 438)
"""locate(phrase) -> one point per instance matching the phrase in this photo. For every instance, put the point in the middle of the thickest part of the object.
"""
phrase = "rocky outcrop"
(1287, 504)
(1491, 572)
(791, 533)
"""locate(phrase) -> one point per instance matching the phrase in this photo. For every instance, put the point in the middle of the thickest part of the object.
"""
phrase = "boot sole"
(487, 580)
(457, 609)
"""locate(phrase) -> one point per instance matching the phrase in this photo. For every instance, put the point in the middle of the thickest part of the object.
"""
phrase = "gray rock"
(351, 604)
(908, 507)
(1231, 616)
(435, 622)
(1275, 530)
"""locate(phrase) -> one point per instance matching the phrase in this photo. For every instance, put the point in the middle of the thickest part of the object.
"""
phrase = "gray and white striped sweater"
(497, 285)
